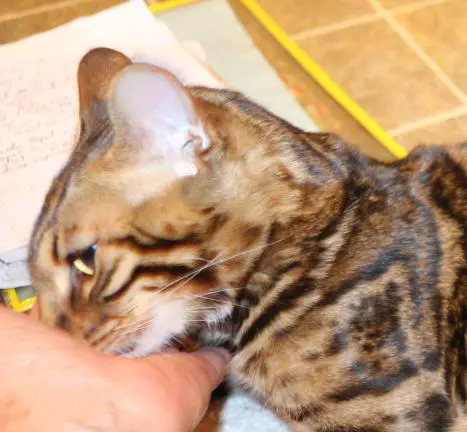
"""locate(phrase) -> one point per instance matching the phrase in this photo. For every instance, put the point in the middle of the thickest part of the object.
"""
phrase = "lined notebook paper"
(38, 113)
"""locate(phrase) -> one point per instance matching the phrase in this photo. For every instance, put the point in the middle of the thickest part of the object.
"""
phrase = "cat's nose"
(81, 327)
(62, 321)
(77, 326)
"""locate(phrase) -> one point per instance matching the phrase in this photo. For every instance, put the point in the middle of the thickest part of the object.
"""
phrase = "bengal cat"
(338, 282)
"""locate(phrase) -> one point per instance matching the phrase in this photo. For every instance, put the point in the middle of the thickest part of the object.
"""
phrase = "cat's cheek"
(170, 318)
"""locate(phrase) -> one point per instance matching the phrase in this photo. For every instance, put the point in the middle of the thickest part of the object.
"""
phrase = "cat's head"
(164, 205)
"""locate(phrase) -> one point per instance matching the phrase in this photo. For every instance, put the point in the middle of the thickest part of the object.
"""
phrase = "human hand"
(51, 382)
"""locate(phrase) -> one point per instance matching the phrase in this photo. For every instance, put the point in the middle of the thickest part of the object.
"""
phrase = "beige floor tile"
(15, 29)
(300, 15)
(441, 32)
(380, 72)
(448, 132)
(8, 7)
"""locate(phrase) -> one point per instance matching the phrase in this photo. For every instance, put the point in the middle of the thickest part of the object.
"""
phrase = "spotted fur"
(338, 282)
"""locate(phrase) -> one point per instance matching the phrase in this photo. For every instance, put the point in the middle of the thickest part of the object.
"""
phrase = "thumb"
(190, 379)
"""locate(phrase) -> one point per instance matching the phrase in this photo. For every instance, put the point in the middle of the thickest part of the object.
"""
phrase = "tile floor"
(21, 18)
(403, 61)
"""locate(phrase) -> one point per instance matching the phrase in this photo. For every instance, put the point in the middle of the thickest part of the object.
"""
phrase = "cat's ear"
(95, 74)
(155, 115)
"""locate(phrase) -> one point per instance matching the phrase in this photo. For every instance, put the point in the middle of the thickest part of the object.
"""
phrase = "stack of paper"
(38, 113)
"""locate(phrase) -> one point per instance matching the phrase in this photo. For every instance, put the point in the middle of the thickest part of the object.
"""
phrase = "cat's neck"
(275, 171)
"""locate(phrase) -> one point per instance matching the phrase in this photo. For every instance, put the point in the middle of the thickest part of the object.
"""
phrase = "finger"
(191, 378)
(34, 312)
(34, 338)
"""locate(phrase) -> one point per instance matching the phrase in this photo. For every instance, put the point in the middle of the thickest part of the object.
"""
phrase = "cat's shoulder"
(441, 157)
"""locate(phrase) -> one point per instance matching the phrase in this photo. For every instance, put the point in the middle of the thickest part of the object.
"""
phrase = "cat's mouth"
(133, 350)
(176, 344)
(171, 327)
(127, 349)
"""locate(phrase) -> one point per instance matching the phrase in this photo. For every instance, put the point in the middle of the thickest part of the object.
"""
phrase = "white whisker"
(212, 263)
(215, 261)
(201, 259)
(215, 292)
(223, 301)
(195, 272)
(134, 327)
(247, 252)
(145, 323)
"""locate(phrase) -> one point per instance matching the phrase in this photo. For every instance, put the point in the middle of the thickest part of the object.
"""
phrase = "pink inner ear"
(154, 118)
(147, 97)
(153, 111)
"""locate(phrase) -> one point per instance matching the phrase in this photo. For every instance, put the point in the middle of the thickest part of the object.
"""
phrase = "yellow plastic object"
(15, 303)
(168, 5)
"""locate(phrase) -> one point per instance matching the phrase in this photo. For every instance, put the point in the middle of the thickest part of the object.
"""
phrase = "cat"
(338, 282)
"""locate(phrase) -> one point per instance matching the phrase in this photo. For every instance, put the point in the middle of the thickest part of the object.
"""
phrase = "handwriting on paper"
(37, 116)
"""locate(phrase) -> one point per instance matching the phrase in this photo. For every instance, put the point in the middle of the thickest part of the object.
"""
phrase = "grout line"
(364, 19)
(335, 27)
(418, 50)
(41, 9)
(415, 6)
(433, 120)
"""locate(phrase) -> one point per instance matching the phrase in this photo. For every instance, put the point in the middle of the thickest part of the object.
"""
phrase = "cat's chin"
(135, 349)
(171, 329)
(169, 319)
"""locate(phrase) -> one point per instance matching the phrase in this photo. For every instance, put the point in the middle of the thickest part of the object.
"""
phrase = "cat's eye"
(84, 261)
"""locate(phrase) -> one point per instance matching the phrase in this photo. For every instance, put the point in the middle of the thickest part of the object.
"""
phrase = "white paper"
(38, 110)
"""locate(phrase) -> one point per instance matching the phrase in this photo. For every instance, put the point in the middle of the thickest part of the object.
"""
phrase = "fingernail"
(218, 356)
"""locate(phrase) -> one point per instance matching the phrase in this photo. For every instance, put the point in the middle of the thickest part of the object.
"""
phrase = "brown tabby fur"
(345, 278)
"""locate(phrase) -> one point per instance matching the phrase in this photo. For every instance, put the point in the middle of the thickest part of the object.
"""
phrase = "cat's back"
(398, 290)
(436, 182)
(438, 167)
(438, 176)
(411, 290)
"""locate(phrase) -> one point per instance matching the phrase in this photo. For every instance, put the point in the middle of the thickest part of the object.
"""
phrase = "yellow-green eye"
(82, 267)
(84, 262)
